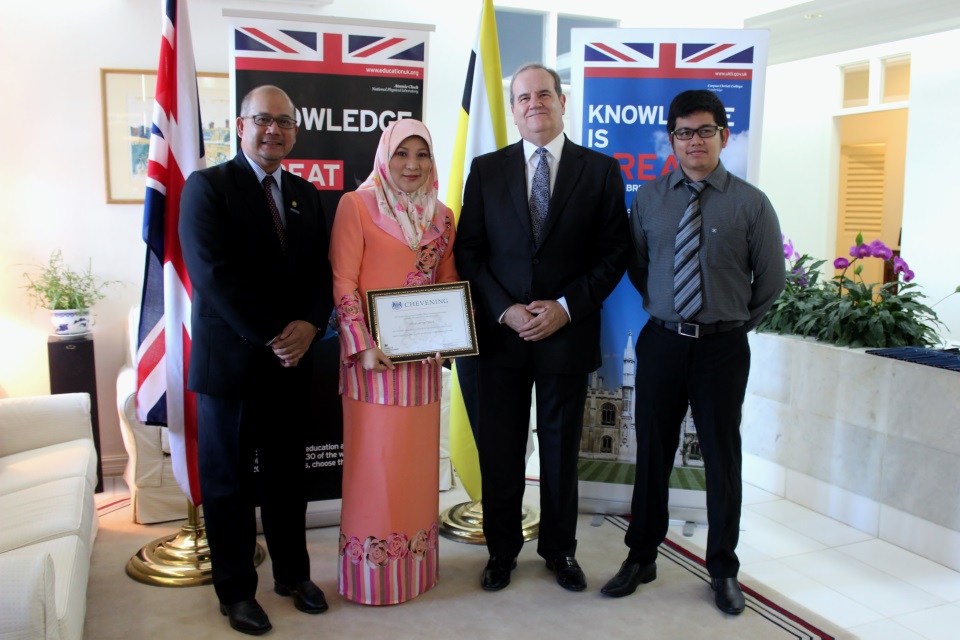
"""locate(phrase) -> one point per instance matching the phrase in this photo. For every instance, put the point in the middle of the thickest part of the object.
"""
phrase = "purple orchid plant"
(847, 311)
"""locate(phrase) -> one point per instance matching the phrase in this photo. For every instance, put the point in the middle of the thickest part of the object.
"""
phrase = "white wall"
(51, 173)
(799, 160)
(798, 156)
(931, 210)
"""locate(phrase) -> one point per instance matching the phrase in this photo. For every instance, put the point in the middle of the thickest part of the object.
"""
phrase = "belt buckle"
(688, 329)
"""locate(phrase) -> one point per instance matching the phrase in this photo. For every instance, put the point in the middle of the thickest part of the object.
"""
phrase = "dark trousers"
(267, 429)
(711, 374)
(504, 417)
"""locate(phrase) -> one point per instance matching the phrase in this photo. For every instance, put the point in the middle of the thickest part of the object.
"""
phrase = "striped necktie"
(274, 212)
(687, 281)
(540, 194)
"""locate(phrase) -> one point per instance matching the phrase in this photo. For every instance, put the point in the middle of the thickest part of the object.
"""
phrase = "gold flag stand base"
(180, 560)
(464, 523)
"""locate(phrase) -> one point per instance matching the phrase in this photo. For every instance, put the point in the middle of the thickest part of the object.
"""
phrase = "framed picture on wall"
(127, 97)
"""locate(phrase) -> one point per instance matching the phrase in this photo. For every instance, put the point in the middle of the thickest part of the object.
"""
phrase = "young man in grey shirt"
(708, 260)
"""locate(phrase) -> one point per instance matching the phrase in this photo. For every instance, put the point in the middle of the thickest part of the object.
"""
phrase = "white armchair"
(154, 493)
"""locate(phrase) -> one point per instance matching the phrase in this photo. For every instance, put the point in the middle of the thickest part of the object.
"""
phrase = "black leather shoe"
(247, 616)
(307, 596)
(729, 596)
(569, 574)
(630, 576)
(496, 575)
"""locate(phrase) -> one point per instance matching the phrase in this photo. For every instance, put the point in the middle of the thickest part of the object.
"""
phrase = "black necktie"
(687, 281)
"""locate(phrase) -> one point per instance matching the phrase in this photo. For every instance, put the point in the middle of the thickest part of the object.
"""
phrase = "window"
(856, 85)
(876, 82)
(606, 444)
(608, 414)
(896, 79)
(540, 37)
(521, 39)
(564, 25)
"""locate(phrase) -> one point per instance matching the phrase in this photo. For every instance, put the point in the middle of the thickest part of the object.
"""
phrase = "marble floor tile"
(885, 630)
(821, 528)
(773, 538)
(812, 594)
(755, 495)
(909, 567)
(871, 587)
(939, 623)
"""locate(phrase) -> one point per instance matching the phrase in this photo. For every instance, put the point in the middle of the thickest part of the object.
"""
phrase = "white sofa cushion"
(74, 459)
(59, 508)
(27, 591)
(40, 421)
(71, 572)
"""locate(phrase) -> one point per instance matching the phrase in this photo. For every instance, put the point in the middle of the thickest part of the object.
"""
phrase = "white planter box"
(870, 441)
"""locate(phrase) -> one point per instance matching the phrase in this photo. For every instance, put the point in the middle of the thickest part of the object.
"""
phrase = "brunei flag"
(482, 128)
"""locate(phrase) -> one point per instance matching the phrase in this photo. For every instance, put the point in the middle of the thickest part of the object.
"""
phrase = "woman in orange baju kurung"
(391, 232)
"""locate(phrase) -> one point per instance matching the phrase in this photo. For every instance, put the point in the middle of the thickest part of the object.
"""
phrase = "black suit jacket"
(581, 256)
(246, 289)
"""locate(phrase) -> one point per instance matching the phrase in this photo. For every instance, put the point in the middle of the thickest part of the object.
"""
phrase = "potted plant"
(67, 293)
(848, 312)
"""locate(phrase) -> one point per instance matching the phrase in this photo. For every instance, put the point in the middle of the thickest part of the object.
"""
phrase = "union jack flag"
(668, 60)
(176, 150)
(268, 48)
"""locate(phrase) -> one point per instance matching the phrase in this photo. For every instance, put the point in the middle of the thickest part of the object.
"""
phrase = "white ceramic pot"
(70, 322)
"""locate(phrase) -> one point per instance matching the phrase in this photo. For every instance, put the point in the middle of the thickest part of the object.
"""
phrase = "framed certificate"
(413, 323)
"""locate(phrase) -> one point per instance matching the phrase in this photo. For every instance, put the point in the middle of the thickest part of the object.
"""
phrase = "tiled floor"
(874, 589)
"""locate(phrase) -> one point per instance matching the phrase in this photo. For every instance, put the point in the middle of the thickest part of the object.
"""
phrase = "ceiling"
(850, 24)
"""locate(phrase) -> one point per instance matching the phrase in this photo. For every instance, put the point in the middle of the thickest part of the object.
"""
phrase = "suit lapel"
(516, 179)
(292, 212)
(568, 173)
(255, 201)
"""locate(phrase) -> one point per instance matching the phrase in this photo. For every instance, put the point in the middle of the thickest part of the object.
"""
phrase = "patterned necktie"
(687, 284)
(540, 194)
(274, 212)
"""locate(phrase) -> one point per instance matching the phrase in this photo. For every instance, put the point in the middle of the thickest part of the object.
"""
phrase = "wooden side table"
(72, 370)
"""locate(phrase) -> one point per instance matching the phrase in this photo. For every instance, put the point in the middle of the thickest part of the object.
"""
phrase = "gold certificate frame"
(413, 323)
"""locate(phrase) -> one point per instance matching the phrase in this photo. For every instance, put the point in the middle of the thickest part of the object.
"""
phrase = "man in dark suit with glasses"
(255, 245)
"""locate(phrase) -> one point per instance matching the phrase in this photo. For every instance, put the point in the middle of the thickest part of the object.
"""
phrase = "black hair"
(696, 101)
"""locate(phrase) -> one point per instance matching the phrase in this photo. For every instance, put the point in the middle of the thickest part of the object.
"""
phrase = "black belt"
(693, 330)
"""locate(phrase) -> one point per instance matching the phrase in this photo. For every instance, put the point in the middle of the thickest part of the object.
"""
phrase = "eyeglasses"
(265, 121)
(706, 131)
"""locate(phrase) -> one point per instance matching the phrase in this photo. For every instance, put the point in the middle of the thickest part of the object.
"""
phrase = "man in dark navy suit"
(255, 245)
(543, 241)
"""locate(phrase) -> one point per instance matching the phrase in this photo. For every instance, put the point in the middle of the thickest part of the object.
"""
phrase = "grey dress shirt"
(741, 249)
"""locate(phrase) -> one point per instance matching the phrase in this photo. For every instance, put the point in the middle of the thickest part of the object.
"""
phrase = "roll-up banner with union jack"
(348, 80)
(623, 81)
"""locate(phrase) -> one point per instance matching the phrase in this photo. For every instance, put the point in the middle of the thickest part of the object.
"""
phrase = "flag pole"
(179, 560)
(176, 149)
(481, 129)
(464, 523)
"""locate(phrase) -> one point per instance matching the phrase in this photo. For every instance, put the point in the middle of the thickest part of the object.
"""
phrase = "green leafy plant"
(846, 310)
(56, 285)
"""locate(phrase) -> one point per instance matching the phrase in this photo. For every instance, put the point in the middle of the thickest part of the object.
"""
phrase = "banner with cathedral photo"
(623, 81)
